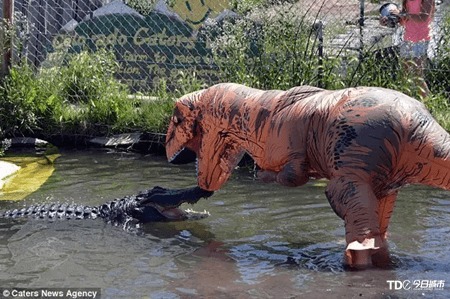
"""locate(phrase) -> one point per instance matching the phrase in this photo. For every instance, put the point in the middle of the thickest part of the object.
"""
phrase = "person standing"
(416, 17)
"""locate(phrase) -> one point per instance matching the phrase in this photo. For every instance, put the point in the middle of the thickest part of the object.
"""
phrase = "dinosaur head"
(183, 130)
(160, 204)
(195, 125)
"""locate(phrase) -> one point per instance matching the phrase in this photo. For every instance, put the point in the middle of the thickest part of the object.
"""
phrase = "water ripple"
(261, 240)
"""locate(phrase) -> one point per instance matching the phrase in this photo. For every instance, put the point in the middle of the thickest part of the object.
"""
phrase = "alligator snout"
(161, 204)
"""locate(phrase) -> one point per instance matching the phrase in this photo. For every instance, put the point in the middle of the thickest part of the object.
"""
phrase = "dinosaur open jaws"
(174, 156)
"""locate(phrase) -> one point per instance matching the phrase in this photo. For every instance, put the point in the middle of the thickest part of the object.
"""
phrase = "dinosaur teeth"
(176, 154)
(196, 166)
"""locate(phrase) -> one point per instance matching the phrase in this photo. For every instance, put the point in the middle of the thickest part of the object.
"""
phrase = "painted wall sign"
(195, 12)
(157, 46)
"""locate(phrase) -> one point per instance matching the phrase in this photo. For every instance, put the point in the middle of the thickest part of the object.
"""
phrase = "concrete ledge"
(117, 140)
(28, 142)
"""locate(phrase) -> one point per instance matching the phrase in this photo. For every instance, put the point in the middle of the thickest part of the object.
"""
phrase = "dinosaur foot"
(367, 254)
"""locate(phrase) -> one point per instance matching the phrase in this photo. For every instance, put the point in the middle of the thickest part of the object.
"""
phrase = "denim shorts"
(413, 50)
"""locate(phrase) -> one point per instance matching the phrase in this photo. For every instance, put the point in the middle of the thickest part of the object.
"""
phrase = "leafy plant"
(243, 6)
(269, 47)
(438, 72)
(23, 104)
(88, 92)
(187, 83)
(15, 37)
(273, 47)
(79, 97)
(89, 76)
(378, 68)
(439, 106)
(4, 145)
(144, 7)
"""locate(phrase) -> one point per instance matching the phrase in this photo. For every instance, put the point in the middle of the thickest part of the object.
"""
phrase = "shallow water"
(261, 240)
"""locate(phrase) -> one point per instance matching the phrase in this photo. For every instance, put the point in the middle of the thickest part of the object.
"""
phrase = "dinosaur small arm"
(367, 141)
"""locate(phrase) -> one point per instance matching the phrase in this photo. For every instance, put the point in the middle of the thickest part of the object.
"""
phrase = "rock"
(6, 170)
(28, 142)
(119, 140)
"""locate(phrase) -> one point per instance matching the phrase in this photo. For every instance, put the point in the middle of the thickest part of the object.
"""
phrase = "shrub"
(381, 69)
(81, 96)
(270, 48)
(144, 7)
(24, 102)
(154, 114)
(16, 35)
(89, 98)
(438, 74)
(89, 76)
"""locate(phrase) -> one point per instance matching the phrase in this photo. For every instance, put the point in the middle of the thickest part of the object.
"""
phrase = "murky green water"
(261, 241)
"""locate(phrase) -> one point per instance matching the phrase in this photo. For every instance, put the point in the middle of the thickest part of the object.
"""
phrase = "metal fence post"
(8, 13)
(318, 27)
(361, 30)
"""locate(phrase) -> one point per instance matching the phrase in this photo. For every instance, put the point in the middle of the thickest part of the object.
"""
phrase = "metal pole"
(318, 26)
(8, 13)
(361, 30)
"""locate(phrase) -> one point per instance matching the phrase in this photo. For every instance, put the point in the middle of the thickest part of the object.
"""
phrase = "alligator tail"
(114, 211)
(54, 211)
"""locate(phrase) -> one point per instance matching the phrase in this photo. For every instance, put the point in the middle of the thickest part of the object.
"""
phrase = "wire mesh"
(173, 41)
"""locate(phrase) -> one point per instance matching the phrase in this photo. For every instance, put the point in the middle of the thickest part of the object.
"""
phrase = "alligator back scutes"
(118, 209)
(54, 211)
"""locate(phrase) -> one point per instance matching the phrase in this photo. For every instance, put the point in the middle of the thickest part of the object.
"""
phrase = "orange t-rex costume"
(367, 141)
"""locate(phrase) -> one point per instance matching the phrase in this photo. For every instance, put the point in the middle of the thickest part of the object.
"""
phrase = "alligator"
(152, 205)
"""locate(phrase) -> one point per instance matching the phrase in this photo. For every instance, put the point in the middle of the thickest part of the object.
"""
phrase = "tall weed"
(24, 102)
(272, 48)
(438, 73)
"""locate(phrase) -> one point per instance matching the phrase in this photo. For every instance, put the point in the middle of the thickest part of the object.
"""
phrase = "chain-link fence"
(262, 43)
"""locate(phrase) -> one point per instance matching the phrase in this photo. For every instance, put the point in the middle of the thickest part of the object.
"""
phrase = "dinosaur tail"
(427, 157)
(54, 211)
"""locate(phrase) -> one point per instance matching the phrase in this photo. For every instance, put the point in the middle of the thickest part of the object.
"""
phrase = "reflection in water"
(261, 241)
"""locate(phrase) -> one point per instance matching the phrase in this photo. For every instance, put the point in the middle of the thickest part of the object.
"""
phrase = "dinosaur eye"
(176, 120)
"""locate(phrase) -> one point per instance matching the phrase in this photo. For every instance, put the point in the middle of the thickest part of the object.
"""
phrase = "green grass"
(79, 94)
(439, 106)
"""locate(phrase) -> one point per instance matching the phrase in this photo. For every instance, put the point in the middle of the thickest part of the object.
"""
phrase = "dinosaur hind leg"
(354, 201)
(385, 209)
(381, 257)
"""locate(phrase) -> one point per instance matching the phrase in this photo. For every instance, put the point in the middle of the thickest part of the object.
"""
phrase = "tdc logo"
(399, 285)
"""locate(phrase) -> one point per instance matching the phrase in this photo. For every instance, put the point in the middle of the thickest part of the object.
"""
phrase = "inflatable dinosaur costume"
(368, 142)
